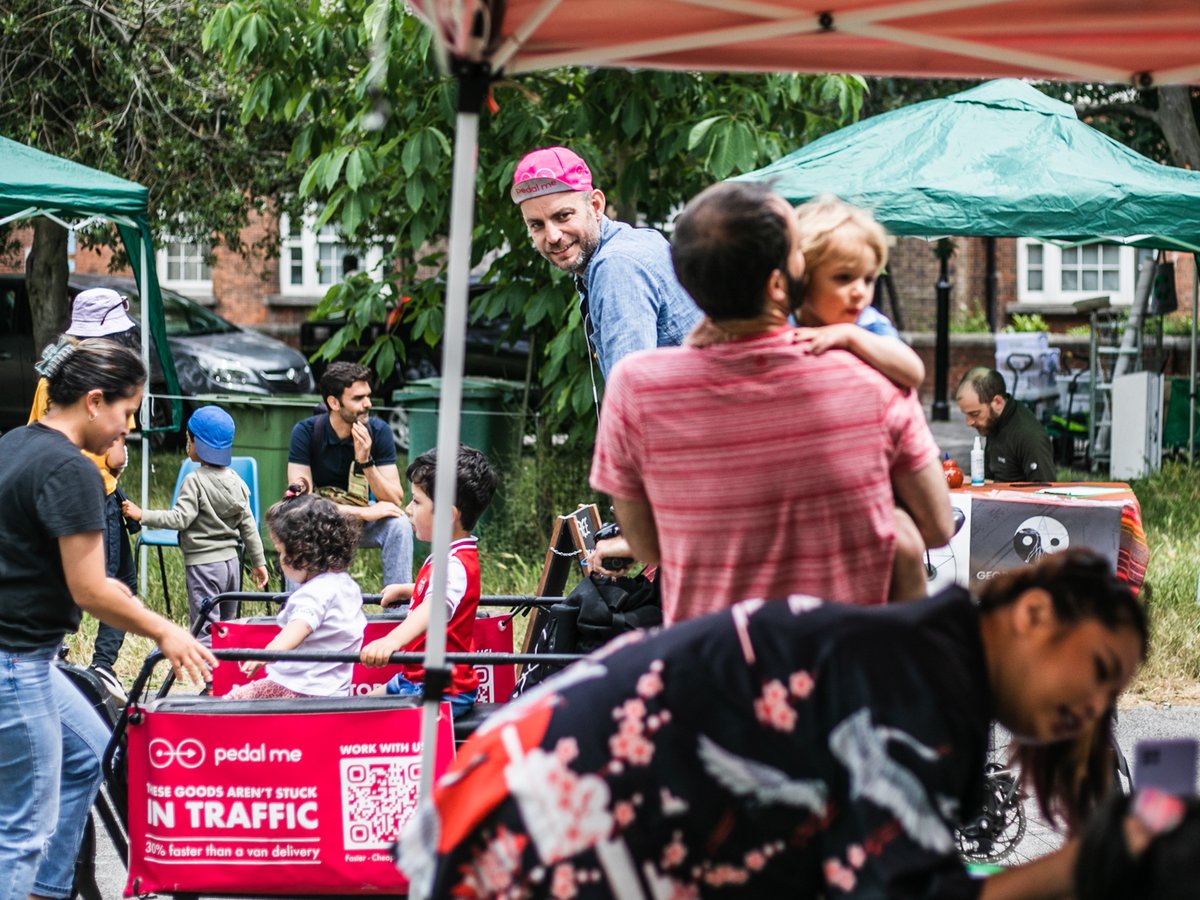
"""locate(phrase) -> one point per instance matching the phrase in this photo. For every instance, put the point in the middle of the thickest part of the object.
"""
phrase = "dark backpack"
(596, 611)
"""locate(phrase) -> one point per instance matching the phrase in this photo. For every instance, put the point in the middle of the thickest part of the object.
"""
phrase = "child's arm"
(893, 358)
(179, 517)
(377, 652)
(254, 548)
(396, 593)
(292, 636)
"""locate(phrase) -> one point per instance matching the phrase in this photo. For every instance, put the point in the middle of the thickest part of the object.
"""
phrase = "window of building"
(316, 259)
(1047, 273)
(183, 266)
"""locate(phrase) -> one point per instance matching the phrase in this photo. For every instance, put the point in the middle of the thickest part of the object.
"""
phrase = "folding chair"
(247, 469)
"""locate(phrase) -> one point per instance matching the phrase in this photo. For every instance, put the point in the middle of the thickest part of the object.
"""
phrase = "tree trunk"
(1178, 123)
(46, 278)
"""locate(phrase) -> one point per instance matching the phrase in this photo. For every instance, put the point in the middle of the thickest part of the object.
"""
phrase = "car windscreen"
(184, 317)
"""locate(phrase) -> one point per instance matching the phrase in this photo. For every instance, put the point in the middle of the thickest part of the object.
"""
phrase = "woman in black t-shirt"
(51, 567)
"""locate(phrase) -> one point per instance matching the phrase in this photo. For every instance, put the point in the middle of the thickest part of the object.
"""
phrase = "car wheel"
(398, 422)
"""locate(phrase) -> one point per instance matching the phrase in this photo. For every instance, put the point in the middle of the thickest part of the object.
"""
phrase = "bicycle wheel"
(995, 831)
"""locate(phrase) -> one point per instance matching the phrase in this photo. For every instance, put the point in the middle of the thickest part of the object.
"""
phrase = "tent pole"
(144, 293)
(991, 280)
(1192, 369)
(472, 87)
(940, 411)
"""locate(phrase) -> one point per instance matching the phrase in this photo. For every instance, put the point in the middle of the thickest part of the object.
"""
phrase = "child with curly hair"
(316, 545)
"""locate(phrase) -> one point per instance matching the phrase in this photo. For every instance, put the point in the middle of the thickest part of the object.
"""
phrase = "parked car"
(211, 354)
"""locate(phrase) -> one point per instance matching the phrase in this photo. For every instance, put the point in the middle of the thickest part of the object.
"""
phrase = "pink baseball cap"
(550, 170)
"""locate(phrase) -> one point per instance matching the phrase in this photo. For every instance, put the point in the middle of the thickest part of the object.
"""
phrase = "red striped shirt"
(768, 468)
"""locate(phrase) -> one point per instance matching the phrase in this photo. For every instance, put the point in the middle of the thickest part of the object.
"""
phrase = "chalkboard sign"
(573, 538)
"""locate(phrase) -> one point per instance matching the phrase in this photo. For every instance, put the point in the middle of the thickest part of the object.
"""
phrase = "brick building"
(274, 292)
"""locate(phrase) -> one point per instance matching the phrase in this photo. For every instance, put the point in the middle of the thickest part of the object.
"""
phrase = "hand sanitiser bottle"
(977, 462)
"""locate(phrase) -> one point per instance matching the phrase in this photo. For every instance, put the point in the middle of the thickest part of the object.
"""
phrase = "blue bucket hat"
(212, 435)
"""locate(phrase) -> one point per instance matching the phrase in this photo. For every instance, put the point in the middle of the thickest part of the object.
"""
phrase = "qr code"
(379, 795)
(485, 684)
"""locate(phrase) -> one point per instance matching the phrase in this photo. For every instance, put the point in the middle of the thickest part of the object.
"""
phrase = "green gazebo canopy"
(33, 183)
(998, 160)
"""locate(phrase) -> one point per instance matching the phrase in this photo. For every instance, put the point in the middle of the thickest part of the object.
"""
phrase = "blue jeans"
(394, 537)
(51, 745)
(459, 703)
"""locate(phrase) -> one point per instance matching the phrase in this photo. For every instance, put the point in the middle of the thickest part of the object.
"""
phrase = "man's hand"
(396, 593)
(610, 548)
(377, 653)
(186, 654)
(131, 510)
(376, 511)
(362, 442)
(260, 576)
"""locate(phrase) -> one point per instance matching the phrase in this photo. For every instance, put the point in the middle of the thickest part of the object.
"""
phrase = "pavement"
(953, 437)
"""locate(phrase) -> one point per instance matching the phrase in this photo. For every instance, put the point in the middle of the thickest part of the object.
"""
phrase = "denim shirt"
(630, 297)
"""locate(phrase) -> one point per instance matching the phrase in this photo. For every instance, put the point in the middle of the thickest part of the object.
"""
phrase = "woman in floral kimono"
(789, 748)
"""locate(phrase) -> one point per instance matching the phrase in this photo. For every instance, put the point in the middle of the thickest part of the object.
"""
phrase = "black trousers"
(118, 563)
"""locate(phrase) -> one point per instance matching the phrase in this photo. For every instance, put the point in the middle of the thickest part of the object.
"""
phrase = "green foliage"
(1022, 323)
(1177, 323)
(969, 320)
(373, 118)
(123, 86)
(1170, 501)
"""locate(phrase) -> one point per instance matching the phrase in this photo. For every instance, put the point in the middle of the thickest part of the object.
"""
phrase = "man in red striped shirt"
(752, 467)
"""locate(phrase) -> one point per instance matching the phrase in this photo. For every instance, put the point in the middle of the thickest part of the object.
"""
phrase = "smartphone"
(1168, 764)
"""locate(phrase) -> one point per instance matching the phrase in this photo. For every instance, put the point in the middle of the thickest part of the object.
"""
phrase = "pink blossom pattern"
(564, 812)
(624, 813)
(838, 876)
(650, 685)
(631, 747)
(773, 709)
(724, 874)
(801, 684)
(675, 852)
(566, 750)
(490, 872)
(562, 882)
(856, 855)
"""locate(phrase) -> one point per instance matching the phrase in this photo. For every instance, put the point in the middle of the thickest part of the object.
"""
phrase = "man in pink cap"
(629, 297)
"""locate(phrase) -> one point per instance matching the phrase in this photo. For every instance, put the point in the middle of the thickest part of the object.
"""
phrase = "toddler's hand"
(260, 576)
(825, 337)
(377, 653)
(396, 593)
(250, 666)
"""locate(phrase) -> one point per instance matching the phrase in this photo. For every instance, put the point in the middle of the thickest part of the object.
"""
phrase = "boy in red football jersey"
(473, 493)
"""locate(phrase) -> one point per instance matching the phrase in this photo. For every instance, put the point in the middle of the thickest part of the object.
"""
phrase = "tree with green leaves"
(123, 86)
(373, 123)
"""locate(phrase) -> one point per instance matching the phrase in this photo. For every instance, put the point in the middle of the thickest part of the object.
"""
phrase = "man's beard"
(350, 418)
(588, 245)
(795, 293)
(988, 425)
